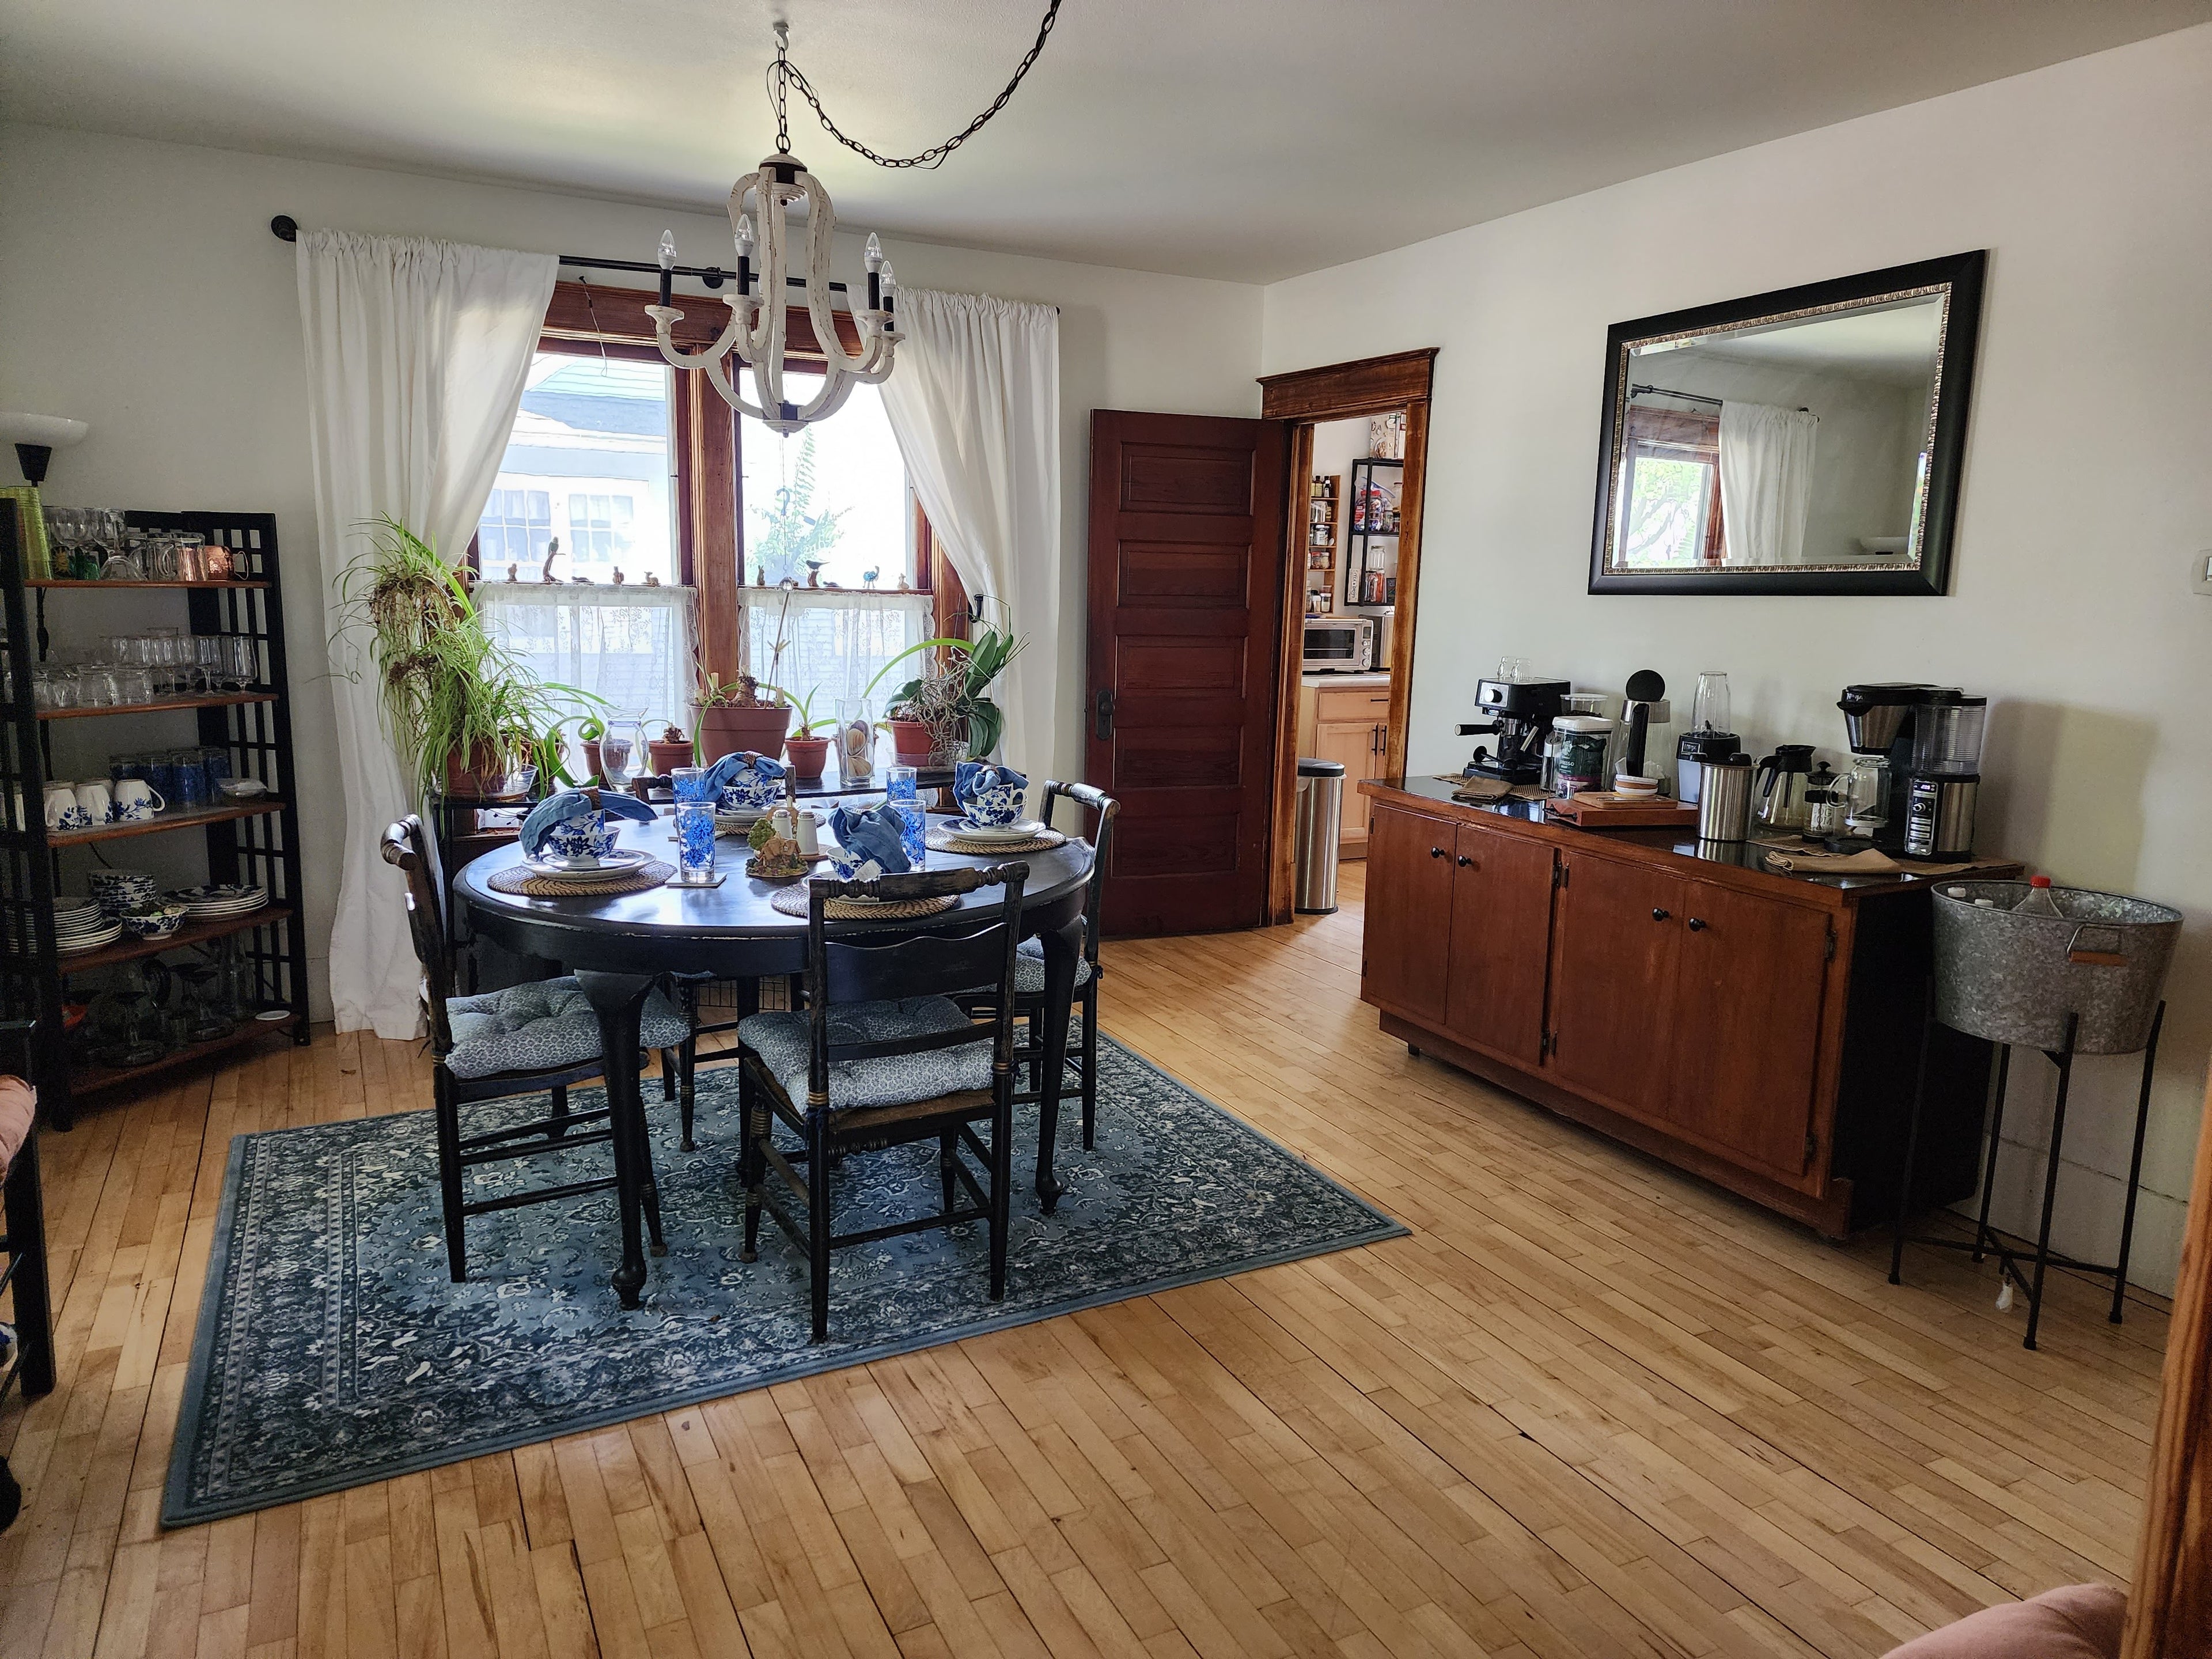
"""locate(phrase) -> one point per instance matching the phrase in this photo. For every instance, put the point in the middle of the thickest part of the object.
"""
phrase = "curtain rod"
(1690, 397)
(286, 228)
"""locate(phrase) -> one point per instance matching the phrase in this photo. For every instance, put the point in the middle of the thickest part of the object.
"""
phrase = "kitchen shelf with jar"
(224, 666)
(1371, 547)
(1323, 505)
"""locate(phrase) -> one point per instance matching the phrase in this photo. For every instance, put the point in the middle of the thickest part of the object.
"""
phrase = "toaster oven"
(1344, 644)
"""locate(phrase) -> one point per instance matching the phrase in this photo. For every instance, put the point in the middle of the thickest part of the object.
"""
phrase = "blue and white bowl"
(754, 786)
(589, 837)
(990, 796)
(153, 920)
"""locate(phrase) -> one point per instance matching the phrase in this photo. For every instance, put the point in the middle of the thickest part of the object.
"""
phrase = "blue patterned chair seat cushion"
(535, 1028)
(1029, 968)
(782, 1041)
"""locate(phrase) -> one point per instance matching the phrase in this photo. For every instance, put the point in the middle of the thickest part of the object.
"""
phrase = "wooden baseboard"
(1827, 1214)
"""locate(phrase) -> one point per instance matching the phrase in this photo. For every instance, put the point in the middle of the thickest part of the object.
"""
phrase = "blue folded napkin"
(989, 795)
(571, 804)
(875, 836)
(724, 771)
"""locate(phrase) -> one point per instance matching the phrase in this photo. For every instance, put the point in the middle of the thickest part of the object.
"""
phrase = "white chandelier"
(755, 333)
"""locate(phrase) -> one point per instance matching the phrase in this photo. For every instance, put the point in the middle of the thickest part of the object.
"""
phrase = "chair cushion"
(540, 1027)
(782, 1041)
(2077, 1621)
(1029, 968)
(19, 1105)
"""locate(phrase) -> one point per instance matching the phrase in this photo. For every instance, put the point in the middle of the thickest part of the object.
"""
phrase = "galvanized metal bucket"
(2014, 978)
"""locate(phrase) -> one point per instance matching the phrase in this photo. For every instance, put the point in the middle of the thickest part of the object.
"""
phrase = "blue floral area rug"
(334, 1348)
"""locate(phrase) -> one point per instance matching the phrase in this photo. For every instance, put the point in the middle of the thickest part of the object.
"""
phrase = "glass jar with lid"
(1575, 753)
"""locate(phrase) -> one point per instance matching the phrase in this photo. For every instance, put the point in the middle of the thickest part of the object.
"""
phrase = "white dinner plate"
(969, 829)
(620, 861)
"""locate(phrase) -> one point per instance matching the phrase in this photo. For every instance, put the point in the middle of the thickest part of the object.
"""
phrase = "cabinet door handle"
(1435, 852)
(1465, 862)
(1658, 915)
(1695, 925)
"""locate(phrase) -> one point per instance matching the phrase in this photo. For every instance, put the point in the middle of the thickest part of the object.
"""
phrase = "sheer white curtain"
(1766, 482)
(416, 353)
(632, 645)
(825, 644)
(974, 403)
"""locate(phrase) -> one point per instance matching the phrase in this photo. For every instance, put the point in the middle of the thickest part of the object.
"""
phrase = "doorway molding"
(1303, 397)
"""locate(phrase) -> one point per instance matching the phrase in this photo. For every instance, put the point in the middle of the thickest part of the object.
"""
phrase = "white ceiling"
(1247, 139)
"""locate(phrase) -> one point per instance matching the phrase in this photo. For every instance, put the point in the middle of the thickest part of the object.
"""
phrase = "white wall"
(2086, 490)
(140, 289)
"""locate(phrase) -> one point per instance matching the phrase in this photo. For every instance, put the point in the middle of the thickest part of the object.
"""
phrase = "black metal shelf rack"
(263, 847)
(1360, 538)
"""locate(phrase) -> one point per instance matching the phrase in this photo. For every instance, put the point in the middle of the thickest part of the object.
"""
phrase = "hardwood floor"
(1589, 1408)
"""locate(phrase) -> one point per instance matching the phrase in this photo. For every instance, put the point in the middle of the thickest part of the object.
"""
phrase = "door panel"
(1353, 746)
(1618, 929)
(1753, 973)
(1185, 597)
(1501, 932)
(1409, 891)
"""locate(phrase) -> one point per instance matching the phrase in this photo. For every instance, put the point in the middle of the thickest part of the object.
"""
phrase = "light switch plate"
(2200, 572)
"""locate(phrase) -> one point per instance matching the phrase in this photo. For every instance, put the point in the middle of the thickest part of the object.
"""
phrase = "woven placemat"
(793, 901)
(525, 882)
(948, 841)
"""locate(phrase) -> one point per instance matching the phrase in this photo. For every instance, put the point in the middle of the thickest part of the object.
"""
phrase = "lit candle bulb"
(875, 262)
(889, 292)
(744, 253)
(667, 263)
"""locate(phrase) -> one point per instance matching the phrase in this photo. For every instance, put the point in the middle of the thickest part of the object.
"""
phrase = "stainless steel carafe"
(1724, 799)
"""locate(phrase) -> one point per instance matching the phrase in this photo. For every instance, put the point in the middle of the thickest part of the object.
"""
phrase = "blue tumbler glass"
(694, 839)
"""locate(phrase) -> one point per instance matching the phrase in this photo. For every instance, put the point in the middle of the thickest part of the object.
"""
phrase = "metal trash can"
(2012, 978)
(1320, 835)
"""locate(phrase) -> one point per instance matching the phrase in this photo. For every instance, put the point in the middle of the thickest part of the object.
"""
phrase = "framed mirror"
(1803, 441)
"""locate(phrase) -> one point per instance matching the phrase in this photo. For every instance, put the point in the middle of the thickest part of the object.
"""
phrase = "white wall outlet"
(2200, 572)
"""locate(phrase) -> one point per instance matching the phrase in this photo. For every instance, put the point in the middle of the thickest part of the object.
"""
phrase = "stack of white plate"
(620, 861)
(213, 903)
(81, 924)
(969, 829)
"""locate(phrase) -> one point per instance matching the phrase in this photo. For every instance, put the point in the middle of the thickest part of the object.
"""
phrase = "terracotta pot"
(481, 775)
(725, 730)
(668, 755)
(808, 755)
(913, 743)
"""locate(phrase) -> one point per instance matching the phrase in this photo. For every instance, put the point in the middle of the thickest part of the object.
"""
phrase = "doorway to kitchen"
(1358, 453)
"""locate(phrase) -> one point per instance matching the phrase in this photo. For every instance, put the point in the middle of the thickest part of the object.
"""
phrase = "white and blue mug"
(589, 835)
(136, 801)
(990, 796)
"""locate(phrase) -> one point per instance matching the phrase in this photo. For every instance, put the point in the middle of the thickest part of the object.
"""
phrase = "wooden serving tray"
(1595, 810)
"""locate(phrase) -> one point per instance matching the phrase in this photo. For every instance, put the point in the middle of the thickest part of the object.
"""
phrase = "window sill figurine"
(552, 552)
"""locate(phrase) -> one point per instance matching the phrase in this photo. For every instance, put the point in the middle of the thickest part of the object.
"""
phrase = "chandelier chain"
(784, 74)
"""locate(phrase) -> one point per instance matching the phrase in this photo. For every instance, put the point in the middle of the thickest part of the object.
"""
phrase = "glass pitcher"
(1864, 793)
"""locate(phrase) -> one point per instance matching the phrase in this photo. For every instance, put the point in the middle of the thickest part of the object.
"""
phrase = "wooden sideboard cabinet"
(1759, 1030)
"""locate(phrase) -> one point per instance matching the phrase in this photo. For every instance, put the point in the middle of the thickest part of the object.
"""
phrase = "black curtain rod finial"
(284, 227)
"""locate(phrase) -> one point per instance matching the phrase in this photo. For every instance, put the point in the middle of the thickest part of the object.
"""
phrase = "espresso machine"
(1520, 713)
(1880, 721)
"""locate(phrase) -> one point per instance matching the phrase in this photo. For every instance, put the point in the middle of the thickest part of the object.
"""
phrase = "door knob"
(1660, 916)
(1695, 925)
(1102, 724)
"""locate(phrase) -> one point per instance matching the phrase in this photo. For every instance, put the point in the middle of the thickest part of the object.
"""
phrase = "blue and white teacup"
(992, 796)
(750, 782)
(870, 843)
(587, 836)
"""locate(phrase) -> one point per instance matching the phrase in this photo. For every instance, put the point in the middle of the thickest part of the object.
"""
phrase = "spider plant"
(957, 694)
(451, 698)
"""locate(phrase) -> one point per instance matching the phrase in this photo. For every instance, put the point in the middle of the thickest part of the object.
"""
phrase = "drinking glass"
(1513, 670)
(133, 685)
(96, 687)
(695, 837)
(242, 659)
(208, 655)
(689, 782)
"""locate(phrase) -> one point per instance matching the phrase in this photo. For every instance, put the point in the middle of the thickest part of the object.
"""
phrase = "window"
(633, 647)
(1670, 512)
(593, 443)
(830, 500)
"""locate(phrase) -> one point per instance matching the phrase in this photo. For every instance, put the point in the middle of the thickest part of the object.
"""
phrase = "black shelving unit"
(255, 841)
(1360, 539)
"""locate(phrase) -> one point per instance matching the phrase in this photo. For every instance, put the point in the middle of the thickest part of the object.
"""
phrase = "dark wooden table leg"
(619, 1001)
(1062, 947)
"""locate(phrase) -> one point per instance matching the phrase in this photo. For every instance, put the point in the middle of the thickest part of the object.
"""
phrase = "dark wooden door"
(1501, 931)
(1185, 636)
(1407, 948)
(1619, 926)
(1748, 992)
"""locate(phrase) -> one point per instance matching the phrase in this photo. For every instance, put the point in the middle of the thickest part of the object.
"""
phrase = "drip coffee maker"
(1946, 775)
(1880, 721)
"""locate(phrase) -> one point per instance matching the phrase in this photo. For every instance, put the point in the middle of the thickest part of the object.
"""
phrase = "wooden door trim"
(1370, 386)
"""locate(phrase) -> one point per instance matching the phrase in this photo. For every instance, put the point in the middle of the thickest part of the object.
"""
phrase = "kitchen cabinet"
(1501, 913)
(1350, 724)
(1759, 1030)
(1409, 887)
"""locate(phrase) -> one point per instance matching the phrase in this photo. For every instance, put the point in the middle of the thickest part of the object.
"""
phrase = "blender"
(1946, 775)
(1709, 741)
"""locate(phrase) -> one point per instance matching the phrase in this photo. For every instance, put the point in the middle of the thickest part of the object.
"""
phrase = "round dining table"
(619, 946)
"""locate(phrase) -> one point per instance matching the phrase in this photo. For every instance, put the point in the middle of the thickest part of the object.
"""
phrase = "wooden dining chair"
(538, 1038)
(882, 1056)
(27, 1350)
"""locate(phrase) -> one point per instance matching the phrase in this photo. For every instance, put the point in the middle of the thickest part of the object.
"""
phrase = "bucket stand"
(1986, 1241)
